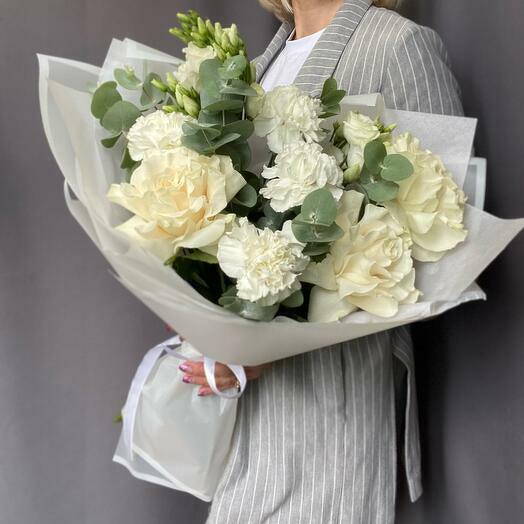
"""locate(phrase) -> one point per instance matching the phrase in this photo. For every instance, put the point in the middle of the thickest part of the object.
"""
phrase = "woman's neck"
(312, 16)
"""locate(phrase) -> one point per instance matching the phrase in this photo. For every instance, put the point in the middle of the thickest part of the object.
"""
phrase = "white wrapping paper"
(88, 169)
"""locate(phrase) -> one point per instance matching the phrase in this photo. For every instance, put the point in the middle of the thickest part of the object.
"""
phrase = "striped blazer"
(375, 50)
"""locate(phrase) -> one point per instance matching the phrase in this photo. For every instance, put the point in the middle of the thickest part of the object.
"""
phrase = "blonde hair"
(283, 10)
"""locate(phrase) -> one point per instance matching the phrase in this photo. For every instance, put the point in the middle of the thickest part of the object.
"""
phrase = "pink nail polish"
(186, 379)
(184, 367)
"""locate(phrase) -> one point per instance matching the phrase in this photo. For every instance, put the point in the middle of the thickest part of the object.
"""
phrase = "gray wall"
(71, 336)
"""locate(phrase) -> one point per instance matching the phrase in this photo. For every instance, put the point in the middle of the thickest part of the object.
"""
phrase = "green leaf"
(233, 67)
(329, 86)
(246, 197)
(209, 131)
(238, 87)
(225, 139)
(120, 117)
(308, 233)
(244, 128)
(374, 154)
(294, 300)
(110, 141)
(201, 257)
(319, 208)
(127, 79)
(127, 161)
(247, 309)
(396, 168)
(333, 98)
(226, 104)
(239, 152)
(151, 95)
(381, 191)
(104, 98)
(313, 249)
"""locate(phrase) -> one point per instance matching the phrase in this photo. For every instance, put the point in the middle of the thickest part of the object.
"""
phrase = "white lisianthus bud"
(265, 263)
(157, 131)
(369, 268)
(254, 103)
(298, 171)
(429, 203)
(359, 129)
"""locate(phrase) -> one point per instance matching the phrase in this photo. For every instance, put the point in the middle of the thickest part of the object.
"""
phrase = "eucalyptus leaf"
(127, 79)
(239, 152)
(201, 257)
(225, 139)
(374, 154)
(381, 191)
(233, 67)
(294, 300)
(396, 168)
(247, 309)
(329, 86)
(313, 249)
(151, 95)
(238, 87)
(244, 128)
(226, 104)
(319, 208)
(120, 117)
(103, 98)
(246, 197)
(127, 161)
(110, 141)
(308, 233)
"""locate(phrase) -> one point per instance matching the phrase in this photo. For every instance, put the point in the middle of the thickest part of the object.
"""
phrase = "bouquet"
(237, 207)
(259, 225)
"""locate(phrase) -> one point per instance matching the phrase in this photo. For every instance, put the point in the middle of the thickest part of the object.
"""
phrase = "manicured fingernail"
(185, 368)
(202, 392)
(186, 379)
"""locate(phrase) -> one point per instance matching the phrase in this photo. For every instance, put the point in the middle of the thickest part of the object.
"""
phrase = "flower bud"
(191, 107)
(352, 174)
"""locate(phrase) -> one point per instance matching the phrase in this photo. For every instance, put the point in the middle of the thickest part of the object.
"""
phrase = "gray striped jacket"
(375, 50)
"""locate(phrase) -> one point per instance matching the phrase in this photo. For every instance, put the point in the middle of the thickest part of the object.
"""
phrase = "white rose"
(177, 197)
(288, 115)
(158, 131)
(359, 129)
(297, 172)
(188, 72)
(369, 268)
(265, 263)
(429, 203)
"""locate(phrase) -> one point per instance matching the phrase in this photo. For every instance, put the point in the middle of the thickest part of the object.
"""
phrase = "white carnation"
(429, 203)
(158, 131)
(188, 72)
(287, 116)
(298, 171)
(370, 267)
(265, 263)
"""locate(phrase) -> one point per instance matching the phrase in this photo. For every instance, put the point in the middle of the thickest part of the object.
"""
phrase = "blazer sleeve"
(418, 75)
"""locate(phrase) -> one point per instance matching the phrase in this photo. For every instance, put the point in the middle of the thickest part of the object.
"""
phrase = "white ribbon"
(143, 372)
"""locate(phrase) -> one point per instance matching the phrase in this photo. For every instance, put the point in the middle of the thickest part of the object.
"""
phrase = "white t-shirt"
(285, 67)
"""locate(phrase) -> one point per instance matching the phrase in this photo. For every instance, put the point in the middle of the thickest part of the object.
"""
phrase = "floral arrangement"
(332, 223)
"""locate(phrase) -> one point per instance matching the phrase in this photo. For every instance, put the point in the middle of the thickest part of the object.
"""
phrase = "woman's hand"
(225, 379)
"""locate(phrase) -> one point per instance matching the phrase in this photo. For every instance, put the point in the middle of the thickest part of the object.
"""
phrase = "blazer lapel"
(272, 50)
(325, 56)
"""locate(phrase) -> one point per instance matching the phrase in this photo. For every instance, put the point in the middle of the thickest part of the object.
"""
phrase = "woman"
(316, 436)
